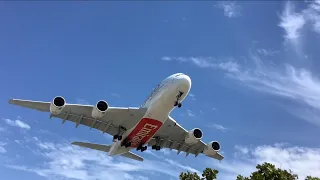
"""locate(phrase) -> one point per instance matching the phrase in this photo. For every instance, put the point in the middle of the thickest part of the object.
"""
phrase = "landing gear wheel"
(128, 144)
(144, 148)
(141, 148)
(179, 105)
(176, 103)
(117, 137)
(156, 147)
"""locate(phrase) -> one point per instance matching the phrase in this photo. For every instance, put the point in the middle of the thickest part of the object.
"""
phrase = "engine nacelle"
(100, 109)
(212, 148)
(57, 105)
(193, 136)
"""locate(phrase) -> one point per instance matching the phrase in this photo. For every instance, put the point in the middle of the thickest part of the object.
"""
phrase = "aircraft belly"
(158, 110)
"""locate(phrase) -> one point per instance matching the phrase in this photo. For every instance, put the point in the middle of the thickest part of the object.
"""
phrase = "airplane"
(135, 127)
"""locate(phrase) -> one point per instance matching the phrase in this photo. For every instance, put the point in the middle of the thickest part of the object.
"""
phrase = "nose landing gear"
(177, 102)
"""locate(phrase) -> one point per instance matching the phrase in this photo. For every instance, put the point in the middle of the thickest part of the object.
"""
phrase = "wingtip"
(75, 143)
(10, 101)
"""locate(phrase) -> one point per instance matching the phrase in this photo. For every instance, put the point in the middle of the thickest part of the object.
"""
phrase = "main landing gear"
(120, 131)
(156, 147)
(177, 102)
(142, 148)
(126, 143)
(117, 137)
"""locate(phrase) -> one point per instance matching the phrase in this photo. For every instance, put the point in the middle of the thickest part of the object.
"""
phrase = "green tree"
(189, 176)
(265, 171)
(208, 174)
(312, 178)
(269, 171)
(239, 177)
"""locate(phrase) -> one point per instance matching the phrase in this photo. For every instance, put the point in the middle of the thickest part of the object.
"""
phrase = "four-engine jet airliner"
(135, 127)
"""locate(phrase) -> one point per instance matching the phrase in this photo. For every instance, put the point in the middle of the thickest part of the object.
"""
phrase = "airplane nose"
(185, 81)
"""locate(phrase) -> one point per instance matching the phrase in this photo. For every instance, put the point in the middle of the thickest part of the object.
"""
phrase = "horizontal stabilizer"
(98, 147)
(106, 148)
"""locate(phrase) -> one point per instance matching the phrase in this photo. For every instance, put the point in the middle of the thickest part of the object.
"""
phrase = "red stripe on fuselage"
(144, 130)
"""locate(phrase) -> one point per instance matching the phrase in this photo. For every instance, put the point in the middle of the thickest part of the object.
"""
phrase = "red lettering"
(144, 130)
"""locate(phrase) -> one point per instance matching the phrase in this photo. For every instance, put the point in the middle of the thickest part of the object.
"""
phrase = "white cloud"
(115, 95)
(297, 84)
(301, 160)
(219, 127)
(230, 8)
(17, 123)
(82, 101)
(312, 13)
(291, 21)
(63, 160)
(209, 62)
(166, 58)
(2, 149)
(294, 22)
(266, 52)
(193, 97)
(190, 113)
(242, 149)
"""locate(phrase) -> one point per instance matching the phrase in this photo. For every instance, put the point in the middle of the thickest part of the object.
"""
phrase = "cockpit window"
(178, 75)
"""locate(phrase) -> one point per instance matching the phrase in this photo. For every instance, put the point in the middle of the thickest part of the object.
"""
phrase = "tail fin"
(106, 148)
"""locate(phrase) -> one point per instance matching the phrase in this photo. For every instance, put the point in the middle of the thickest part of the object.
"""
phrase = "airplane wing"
(126, 117)
(106, 148)
(172, 135)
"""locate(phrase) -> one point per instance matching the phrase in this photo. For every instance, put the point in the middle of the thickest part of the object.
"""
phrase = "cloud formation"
(294, 22)
(219, 127)
(301, 160)
(115, 95)
(62, 160)
(17, 123)
(190, 113)
(2, 149)
(193, 97)
(230, 8)
(297, 84)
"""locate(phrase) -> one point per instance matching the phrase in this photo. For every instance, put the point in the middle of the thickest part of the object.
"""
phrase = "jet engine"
(100, 109)
(57, 105)
(212, 148)
(193, 136)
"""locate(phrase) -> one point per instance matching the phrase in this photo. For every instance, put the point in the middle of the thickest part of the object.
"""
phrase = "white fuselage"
(159, 105)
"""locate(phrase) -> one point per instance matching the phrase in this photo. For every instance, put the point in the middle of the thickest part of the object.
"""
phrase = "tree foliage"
(266, 171)
(207, 174)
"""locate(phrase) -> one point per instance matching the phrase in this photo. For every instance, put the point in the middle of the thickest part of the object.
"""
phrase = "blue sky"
(255, 83)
